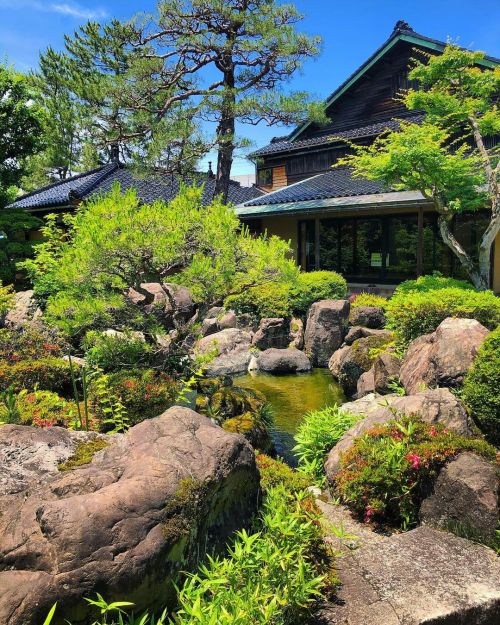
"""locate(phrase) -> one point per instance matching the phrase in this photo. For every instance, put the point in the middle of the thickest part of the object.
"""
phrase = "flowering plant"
(387, 472)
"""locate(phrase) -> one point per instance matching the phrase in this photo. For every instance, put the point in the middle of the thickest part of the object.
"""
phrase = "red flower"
(368, 513)
(146, 396)
(433, 431)
(414, 459)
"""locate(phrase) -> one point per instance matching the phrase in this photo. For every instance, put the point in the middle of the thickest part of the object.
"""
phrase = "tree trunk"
(478, 279)
(225, 134)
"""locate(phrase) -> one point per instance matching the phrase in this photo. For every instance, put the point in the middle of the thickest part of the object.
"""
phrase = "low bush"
(48, 374)
(144, 394)
(432, 283)
(414, 313)
(481, 390)
(111, 353)
(267, 300)
(38, 408)
(6, 299)
(275, 472)
(368, 299)
(387, 472)
(315, 286)
(318, 432)
(30, 342)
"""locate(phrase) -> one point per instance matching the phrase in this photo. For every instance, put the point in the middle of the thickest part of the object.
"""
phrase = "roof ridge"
(107, 169)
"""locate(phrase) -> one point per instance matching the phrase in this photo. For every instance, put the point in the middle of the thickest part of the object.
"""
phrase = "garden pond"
(291, 397)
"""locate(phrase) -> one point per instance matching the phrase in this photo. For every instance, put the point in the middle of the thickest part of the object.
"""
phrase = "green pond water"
(290, 397)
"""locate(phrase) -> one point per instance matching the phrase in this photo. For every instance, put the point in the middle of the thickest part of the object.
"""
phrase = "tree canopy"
(446, 157)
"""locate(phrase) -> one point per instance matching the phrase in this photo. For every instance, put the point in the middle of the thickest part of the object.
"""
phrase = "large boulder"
(289, 360)
(297, 332)
(272, 332)
(25, 310)
(443, 357)
(359, 332)
(367, 316)
(385, 370)
(124, 524)
(231, 348)
(432, 406)
(366, 384)
(326, 327)
(465, 498)
(351, 361)
(172, 304)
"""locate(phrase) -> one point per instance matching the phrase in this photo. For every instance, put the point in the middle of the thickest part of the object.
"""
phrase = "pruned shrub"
(368, 299)
(48, 374)
(114, 352)
(415, 313)
(481, 390)
(266, 300)
(319, 431)
(275, 472)
(315, 286)
(38, 408)
(387, 472)
(432, 283)
(144, 394)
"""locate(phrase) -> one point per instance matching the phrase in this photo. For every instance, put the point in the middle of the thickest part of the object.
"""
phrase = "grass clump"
(83, 454)
(481, 390)
(319, 431)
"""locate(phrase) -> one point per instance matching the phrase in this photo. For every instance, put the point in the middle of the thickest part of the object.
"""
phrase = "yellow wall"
(496, 265)
(283, 227)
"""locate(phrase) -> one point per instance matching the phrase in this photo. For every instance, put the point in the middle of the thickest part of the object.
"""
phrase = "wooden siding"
(279, 178)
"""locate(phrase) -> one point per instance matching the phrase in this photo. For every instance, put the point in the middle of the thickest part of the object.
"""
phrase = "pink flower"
(368, 513)
(414, 459)
(433, 431)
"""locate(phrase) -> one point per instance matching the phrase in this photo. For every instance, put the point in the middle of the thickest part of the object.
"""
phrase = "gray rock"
(272, 332)
(228, 320)
(325, 330)
(385, 369)
(421, 577)
(368, 317)
(224, 342)
(232, 363)
(25, 310)
(283, 361)
(172, 304)
(297, 333)
(464, 498)
(142, 510)
(358, 332)
(124, 336)
(432, 406)
(209, 326)
(366, 384)
(215, 311)
(443, 357)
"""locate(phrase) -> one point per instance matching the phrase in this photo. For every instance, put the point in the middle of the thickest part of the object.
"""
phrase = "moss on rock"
(83, 454)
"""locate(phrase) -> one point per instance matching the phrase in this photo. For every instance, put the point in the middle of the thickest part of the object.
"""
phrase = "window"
(265, 177)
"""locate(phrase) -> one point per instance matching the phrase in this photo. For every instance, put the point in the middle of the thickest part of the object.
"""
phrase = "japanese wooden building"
(370, 234)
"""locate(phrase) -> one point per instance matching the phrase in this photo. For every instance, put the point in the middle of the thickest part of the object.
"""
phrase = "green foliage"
(144, 394)
(435, 156)
(20, 128)
(314, 286)
(318, 432)
(17, 247)
(77, 313)
(83, 454)
(414, 313)
(369, 299)
(275, 472)
(114, 417)
(385, 473)
(114, 352)
(268, 300)
(50, 374)
(481, 391)
(272, 576)
(6, 299)
(114, 614)
(29, 343)
(432, 283)
(37, 408)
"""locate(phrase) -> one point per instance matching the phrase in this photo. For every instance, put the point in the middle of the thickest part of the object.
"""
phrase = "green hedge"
(432, 283)
(414, 313)
(47, 374)
(267, 300)
(369, 299)
(315, 286)
(481, 391)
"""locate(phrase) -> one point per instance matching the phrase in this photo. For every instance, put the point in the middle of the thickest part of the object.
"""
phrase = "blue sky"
(351, 32)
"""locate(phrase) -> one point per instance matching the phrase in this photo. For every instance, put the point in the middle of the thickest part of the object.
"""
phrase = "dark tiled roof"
(369, 130)
(335, 183)
(149, 188)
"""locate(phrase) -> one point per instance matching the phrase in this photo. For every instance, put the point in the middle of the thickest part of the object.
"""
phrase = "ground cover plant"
(319, 431)
(481, 390)
(386, 473)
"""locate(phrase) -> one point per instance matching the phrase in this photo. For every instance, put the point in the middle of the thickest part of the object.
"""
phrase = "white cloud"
(72, 9)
